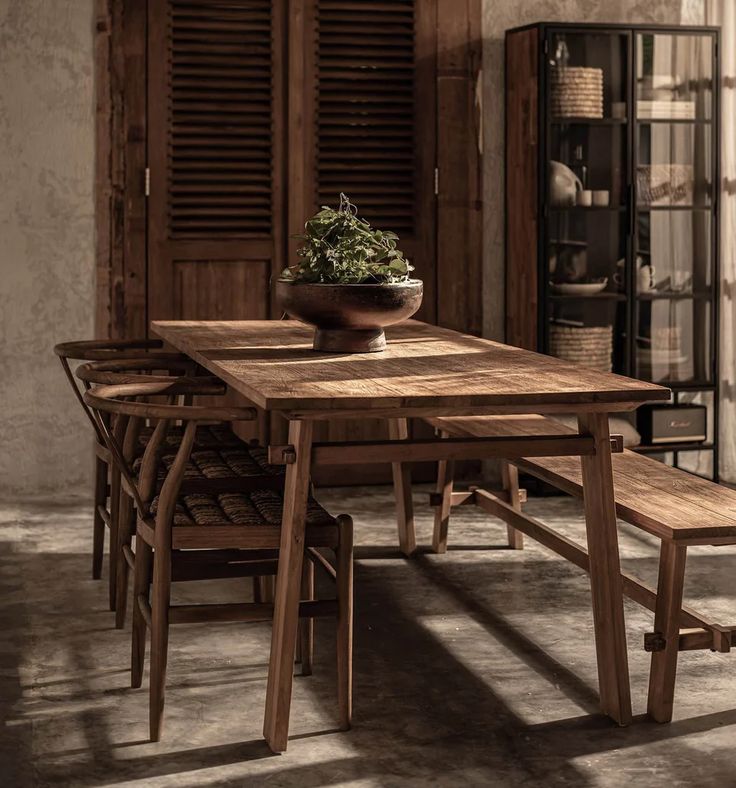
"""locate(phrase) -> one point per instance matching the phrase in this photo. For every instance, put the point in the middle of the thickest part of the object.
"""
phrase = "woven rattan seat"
(259, 507)
(237, 460)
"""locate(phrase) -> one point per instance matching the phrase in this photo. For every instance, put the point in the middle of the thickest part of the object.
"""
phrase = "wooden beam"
(467, 497)
(429, 450)
(641, 593)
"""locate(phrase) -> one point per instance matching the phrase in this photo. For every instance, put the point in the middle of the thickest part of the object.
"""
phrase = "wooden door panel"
(215, 156)
(221, 290)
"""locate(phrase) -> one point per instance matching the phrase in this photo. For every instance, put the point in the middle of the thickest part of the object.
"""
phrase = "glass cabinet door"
(587, 218)
(674, 146)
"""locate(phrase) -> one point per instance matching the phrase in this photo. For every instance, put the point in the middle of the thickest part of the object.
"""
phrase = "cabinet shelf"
(681, 121)
(652, 208)
(702, 296)
(661, 448)
(594, 296)
(587, 209)
(589, 121)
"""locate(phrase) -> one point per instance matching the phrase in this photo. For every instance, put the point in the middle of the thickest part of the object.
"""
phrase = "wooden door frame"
(120, 161)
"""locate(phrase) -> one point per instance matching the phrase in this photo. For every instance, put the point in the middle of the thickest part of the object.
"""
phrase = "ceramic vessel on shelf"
(579, 288)
(645, 279)
(563, 185)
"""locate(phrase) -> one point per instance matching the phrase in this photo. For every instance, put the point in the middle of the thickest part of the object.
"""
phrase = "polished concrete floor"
(472, 668)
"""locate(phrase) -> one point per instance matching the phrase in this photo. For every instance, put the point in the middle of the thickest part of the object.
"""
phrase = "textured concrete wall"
(499, 16)
(46, 238)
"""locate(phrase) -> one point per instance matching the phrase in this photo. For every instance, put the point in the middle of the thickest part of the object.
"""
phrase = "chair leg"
(344, 581)
(114, 519)
(141, 587)
(510, 478)
(398, 429)
(305, 641)
(98, 524)
(125, 529)
(445, 479)
(263, 588)
(667, 623)
(159, 639)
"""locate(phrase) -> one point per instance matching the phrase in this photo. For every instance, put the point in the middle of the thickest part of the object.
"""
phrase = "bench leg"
(605, 571)
(398, 429)
(667, 624)
(510, 478)
(445, 479)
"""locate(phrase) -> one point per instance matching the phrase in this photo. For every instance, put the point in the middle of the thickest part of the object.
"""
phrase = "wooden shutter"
(367, 110)
(215, 155)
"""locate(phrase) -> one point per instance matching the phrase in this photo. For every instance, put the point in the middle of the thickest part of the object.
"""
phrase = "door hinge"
(147, 181)
(436, 180)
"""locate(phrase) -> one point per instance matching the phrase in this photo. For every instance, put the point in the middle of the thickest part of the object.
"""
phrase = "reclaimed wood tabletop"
(272, 363)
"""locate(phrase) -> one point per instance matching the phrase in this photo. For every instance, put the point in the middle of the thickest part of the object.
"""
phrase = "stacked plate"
(577, 92)
(589, 346)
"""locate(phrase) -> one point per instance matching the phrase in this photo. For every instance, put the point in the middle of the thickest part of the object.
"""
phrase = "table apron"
(429, 450)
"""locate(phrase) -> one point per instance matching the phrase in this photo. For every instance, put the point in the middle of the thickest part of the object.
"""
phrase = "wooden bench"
(675, 506)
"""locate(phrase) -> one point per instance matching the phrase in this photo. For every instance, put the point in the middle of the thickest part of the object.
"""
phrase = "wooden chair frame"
(244, 551)
(106, 485)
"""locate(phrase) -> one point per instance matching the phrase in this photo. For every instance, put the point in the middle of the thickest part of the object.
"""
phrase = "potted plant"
(350, 283)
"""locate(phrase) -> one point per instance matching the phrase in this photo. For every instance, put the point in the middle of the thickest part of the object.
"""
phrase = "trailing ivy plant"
(341, 248)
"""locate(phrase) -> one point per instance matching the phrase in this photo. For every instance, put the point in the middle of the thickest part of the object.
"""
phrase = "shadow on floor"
(470, 670)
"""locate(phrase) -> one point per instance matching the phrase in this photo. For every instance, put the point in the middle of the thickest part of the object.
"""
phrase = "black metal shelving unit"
(655, 151)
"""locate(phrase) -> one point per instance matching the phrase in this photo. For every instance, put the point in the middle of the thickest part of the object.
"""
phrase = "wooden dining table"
(425, 371)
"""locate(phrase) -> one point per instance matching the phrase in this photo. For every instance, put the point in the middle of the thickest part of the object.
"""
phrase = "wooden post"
(445, 479)
(288, 584)
(605, 571)
(667, 624)
(98, 528)
(398, 429)
(510, 478)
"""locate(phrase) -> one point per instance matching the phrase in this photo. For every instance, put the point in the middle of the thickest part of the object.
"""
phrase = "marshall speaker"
(663, 424)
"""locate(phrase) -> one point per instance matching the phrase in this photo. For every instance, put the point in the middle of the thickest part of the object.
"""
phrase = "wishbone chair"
(188, 529)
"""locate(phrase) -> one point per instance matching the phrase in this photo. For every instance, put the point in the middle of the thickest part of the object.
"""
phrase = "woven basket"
(665, 184)
(589, 346)
(576, 92)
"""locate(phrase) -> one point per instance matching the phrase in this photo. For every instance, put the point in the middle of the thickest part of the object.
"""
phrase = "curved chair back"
(105, 350)
(122, 401)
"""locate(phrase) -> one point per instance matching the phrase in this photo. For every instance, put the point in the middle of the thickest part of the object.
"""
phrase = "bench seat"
(678, 508)
(666, 502)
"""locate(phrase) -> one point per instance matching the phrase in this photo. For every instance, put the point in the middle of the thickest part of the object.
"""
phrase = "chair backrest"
(105, 350)
(136, 370)
(122, 401)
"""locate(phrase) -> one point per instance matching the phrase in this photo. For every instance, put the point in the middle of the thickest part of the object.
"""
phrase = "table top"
(424, 367)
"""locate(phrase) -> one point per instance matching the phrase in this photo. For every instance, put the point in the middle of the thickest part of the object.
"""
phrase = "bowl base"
(349, 340)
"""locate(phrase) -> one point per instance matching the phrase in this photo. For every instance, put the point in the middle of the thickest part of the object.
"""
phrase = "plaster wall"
(497, 18)
(46, 239)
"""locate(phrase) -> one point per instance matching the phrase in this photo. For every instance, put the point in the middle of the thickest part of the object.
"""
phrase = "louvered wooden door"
(215, 157)
(362, 119)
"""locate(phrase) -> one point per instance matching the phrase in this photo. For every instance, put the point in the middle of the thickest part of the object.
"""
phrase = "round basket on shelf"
(589, 346)
(576, 92)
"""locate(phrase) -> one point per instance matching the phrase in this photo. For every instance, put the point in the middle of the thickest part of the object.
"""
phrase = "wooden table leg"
(510, 479)
(445, 480)
(398, 429)
(605, 571)
(288, 585)
(667, 623)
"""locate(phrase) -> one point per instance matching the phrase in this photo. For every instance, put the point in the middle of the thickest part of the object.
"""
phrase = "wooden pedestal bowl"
(349, 318)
